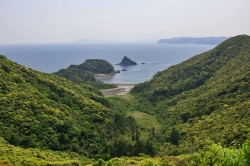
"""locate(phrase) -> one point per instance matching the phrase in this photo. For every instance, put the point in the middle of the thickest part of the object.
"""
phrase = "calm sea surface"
(52, 57)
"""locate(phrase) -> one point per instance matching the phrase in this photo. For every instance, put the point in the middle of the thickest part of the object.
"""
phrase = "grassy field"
(144, 120)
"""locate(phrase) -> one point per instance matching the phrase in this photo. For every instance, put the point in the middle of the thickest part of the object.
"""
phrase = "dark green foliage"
(174, 137)
(100, 162)
(127, 127)
(246, 149)
(131, 147)
(96, 66)
(125, 148)
(83, 77)
(76, 75)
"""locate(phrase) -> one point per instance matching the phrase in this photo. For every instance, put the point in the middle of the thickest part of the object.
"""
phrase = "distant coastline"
(193, 40)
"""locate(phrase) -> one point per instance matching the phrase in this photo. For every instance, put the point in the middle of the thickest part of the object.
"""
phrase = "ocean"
(50, 58)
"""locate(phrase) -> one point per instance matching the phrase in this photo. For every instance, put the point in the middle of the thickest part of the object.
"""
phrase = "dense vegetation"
(212, 155)
(194, 113)
(205, 97)
(96, 66)
(217, 155)
(46, 111)
(80, 76)
(11, 155)
(76, 75)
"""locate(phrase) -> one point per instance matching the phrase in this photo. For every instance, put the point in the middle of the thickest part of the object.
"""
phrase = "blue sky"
(56, 21)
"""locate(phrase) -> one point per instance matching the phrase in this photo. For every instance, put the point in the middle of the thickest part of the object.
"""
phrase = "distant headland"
(193, 40)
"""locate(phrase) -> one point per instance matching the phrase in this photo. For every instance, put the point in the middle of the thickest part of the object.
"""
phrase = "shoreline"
(103, 75)
(121, 90)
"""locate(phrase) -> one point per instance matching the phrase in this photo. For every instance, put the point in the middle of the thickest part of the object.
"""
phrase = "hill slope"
(46, 111)
(96, 66)
(205, 97)
(80, 76)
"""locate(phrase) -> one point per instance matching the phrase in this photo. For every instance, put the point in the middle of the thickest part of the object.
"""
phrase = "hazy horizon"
(63, 21)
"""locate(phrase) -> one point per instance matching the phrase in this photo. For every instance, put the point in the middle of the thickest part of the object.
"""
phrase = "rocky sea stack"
(126, 62)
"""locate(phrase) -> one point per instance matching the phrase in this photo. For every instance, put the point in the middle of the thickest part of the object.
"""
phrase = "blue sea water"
(53, 57)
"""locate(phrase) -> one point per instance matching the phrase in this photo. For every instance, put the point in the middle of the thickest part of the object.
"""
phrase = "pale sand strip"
(103, 75)
(121, 90)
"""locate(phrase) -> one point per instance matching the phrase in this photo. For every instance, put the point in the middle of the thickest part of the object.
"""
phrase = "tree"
(246, 149)
(174, 137)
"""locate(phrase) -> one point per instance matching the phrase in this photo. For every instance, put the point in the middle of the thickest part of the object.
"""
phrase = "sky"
(59, 21)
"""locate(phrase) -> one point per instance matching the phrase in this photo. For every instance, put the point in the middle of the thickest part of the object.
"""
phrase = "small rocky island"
(126, 62)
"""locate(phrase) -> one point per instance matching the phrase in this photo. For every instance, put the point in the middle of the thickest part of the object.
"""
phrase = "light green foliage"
(205, 97)
(145, 120)
(217, 155)
(147, 161)
(214, 154)
(11, 155)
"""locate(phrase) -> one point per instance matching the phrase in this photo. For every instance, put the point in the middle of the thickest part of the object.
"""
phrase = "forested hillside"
(84, 73)
(81, 76)
(46, 111)
(193, 113)
(203, 98)
(96, 66)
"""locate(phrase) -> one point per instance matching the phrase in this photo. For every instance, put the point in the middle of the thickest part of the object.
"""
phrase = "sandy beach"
(121, 90)
(103, 75)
